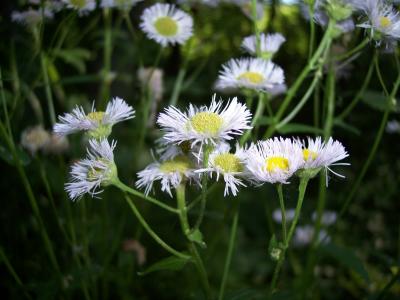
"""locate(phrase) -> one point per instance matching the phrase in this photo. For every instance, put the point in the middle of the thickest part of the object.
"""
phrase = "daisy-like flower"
(274, 160)
(121, 4)
(82, 6)
(98, 124)
(31, 16)
(205, 125)
(269, 44)
(95, 171)
(383, 20)
(229, 165)
(318, 154)
(250, 73)
(170, 172)
(166, 24)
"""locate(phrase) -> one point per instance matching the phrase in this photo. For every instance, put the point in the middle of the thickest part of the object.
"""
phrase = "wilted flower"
(98, 124)
(269, 44)
(250, 73)
(274, 160)
(95, 171)
(166, 24)
(205, 125)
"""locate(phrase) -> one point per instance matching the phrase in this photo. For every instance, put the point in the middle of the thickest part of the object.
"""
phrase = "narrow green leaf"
(171, 263)
(378, 101)
(347, 127)
(299, 128)
(197, 237)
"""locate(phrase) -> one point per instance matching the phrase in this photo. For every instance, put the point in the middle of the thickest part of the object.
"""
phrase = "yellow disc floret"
(206, 122)
(276, 163)
(309, 155)
(385, 22)
(228, 162)
(96, 116)
(252, 77)
(166, 26)
(178, 164)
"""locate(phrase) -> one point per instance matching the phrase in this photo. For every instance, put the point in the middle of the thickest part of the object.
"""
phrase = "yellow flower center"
(178, 164)
(78, 3)
(206, 122)
(96, 116)
(252, 77)
(228, 162)
(276, 162)
(385, 22)
(166, 26)
(308, 154)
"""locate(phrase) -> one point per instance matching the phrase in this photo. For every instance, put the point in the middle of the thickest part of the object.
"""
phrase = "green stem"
(159, 241)
(258, 114)
(180, 198)
(49, 97)
(177, 86)
(201, 269)
(312, 31)
(283, 210)
(230, 249)
(136, 193)
(352, 51)
(107, 53)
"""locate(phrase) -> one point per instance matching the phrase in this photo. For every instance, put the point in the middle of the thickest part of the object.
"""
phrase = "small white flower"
(205, 125)
(95, 171)
(229, 165)
(277, 215)
(274, 160)
(82, 6)
(318, 154)
(383, 20)
(328, 217)
(166, 24)
(393, 126)
(170, 172)
(250, 73)
(97, 123)
(31, 16)
(269, 44)
(121, 4)
(303, 236)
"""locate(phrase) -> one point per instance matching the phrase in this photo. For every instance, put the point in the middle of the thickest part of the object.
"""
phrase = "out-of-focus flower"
(56, 144)
(166, 24)
(82, 6)
(98, 124)
(303, 236)
(277, 215)
(393, 126)
(120, 4)
(95, 171)
(138, 248)
(269, 44)
(250, 73)
(31, 17)
(328, 217)
(34, 139)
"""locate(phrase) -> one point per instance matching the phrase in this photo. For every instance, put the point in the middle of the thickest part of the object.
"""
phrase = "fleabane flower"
(318, 154)
(250, 73)
(97, 170)
(120, 4)
(206, 124)
(228, 165)
(383, 20)
(170, 173)
(82, 6)
(97, 124)
(166, 24)
(269, 44)
(31, 17)
(274, 160)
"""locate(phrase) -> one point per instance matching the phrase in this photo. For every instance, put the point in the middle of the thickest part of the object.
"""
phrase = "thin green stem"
(107, 53)
(231, 246)
(146, 226)
(352, 51)
(49, 97)
(181, 201)
(201, 269)
(177, 86)
(379, 73)
(312, 31)
(136, 193)
(283, 210)
(258, 114)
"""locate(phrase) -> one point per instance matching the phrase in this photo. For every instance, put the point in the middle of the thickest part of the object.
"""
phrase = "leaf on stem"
(171, 263)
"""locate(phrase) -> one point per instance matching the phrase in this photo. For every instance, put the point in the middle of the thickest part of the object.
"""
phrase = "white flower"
(303, 236)
(31, 16)
(383, 20)
(205, 125)
(250, 73)
(328, 217)
(170, 172)
(318, 154)
(82, 6)
(121, 4)
(393, 126)
(229, 165)
(274, 160)
(166, 24)
(95, 171)
(269, 44)
(97, 123)
(277, 215)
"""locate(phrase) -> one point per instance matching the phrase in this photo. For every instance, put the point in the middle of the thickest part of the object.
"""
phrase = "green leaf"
(299, 128)
(347, 258)
(171, 263)
(75, 57)
(197, 237)
(8, 157)
(265, 121)
(378, 101)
